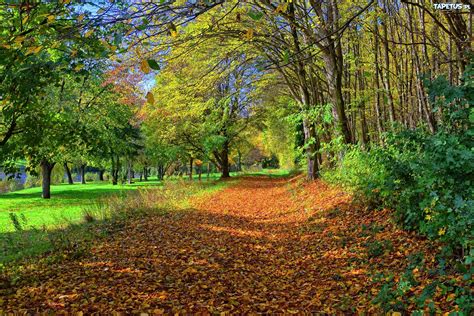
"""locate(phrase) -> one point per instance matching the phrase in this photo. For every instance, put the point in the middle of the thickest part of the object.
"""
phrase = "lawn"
(63, 215)
(66, 204)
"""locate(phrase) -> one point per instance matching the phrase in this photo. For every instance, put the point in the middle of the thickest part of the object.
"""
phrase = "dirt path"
(261, 245)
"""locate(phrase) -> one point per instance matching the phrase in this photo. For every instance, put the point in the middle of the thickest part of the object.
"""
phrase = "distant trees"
(365, 59)
(202, 103)
(313, 76)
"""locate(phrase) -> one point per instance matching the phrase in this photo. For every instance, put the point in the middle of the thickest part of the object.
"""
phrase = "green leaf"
(255, 15)
(153, 64)
(286, 57)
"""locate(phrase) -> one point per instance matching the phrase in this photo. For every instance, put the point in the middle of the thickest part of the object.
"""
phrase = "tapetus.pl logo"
(451, 6)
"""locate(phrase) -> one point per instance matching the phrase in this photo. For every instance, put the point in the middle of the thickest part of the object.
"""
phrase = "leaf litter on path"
(260, 245)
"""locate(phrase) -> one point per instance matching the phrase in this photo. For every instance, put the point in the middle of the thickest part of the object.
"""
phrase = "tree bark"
(161, 172)
(239, 161)
(83, 173)
(101, 175)
(225, 161)
(191, 159)
(46, 169)
(129, 173)
(387, 85)
(68, 173)
(310, 143)
(115, 170)
(377, 83)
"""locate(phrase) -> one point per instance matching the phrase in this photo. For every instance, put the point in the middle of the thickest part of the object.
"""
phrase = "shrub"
(91, 176)
(32, 181)
(426, 178)
(362, 173)
(10, 185)
(57, 175)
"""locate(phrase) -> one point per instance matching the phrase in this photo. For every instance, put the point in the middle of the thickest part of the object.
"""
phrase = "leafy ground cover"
(260, 244)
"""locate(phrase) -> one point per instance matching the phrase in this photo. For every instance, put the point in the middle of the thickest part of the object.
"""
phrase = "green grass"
(274, 173)
(62, 216)
(75, 235)
(66, 203)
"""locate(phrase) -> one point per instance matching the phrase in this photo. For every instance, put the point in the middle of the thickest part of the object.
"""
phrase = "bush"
(32, 181)
(91, 176)
(426, 178)
(10, 185)
(57, 175)
(363, 174)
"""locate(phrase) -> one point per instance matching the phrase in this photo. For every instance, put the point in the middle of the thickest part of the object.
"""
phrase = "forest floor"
(261, 244)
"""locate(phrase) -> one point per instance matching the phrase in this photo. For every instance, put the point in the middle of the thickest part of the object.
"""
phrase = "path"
(261, 245)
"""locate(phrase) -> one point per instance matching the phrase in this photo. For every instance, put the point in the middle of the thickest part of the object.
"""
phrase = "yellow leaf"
(249, 34)
(450, 297)
(396, 314)
(442, 231)
(150, 98)
(34, 50)
(145, 67)
(89, 33)
(282, 7)
(174, 34)
(79, 67)
(51, 18)
(190, 270)
(137, 51)
(19, 39)
(80, 17)
(66, 1)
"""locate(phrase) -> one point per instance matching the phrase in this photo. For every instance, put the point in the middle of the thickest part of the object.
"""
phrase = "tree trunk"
(83, 174)
(208, 170)
(199, 172)
(334, 74)
(145, 173)
(388, 88)
(225, 168)
(377, 83)
(115, 170)
(129, 173)
(239, 161)
(46, 169)
(161, 172)
(310, 141)
(68, 173)
(101, 175)
(191, 159)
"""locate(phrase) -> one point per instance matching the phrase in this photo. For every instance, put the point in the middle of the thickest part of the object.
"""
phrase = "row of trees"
(350, 70)
(296, 78)
(61, 99)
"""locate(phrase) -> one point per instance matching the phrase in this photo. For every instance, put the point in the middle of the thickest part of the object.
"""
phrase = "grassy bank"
(103, 211)
(66, 203)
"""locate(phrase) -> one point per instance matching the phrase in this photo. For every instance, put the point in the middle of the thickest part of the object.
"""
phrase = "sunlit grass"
(68, 201)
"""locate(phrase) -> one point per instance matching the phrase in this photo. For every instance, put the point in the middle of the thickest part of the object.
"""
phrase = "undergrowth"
(427, 179)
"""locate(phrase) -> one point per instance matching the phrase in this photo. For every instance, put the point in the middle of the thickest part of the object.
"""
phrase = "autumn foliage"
(260, 245)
